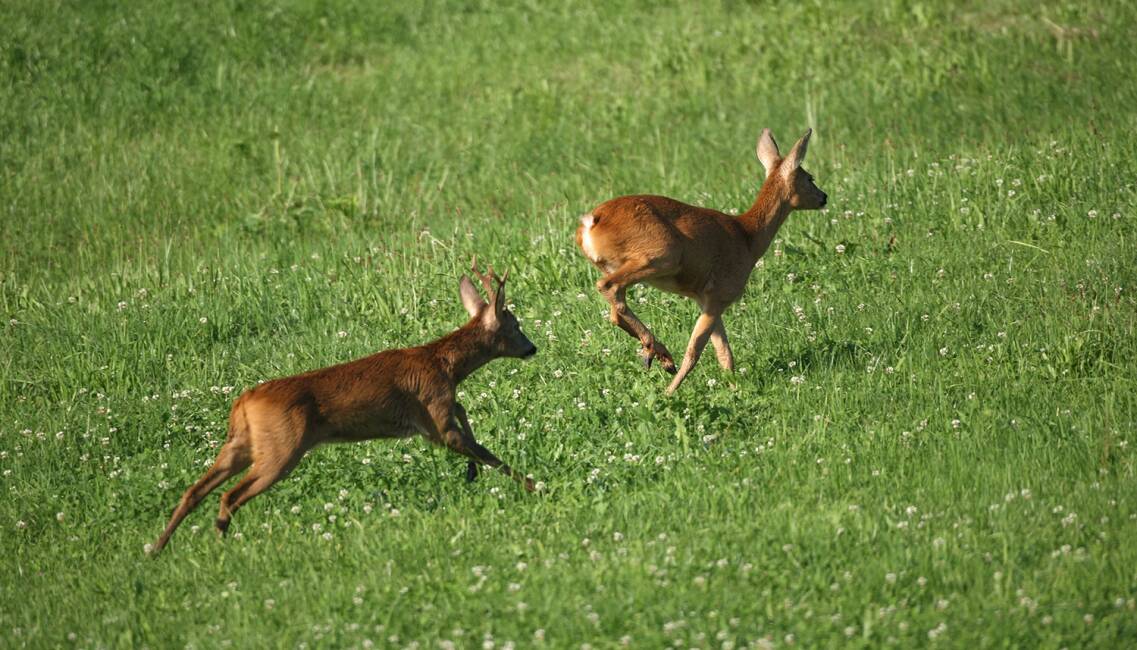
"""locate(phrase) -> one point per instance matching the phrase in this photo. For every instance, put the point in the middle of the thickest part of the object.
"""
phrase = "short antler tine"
(485, 279)
(504, 277)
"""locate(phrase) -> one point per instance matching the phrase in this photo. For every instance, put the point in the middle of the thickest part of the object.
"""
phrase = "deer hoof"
(650, 354)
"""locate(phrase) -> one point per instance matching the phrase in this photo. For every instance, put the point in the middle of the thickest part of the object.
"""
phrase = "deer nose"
(530, 352)
(824, 199)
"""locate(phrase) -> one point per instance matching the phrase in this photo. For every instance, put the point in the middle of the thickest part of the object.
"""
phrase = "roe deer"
(695, 252)
(392, 394)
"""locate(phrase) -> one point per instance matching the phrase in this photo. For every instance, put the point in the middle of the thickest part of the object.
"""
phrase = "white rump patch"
(587, 221)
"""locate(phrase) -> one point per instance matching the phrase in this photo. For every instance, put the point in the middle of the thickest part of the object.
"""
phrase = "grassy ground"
(930, 438)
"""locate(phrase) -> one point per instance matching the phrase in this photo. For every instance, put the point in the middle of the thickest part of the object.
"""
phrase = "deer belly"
(670, 285)
(359, 434)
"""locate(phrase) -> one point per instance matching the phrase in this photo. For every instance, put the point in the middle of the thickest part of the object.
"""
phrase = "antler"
(487, 278)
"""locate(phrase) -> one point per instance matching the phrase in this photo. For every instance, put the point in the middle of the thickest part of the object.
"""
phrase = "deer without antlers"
(392, 394)
(696, 252)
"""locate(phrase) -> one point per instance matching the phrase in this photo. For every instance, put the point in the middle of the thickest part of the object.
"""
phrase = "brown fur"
(392, 394)
(696, 252)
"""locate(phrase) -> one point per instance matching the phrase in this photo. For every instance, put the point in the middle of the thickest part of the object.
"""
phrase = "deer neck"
(462, 351)
(765, 217)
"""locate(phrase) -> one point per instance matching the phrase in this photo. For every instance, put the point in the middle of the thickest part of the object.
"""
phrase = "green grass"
(930, 436)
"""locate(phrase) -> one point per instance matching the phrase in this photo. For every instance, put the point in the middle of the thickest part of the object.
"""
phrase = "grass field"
(929, 440)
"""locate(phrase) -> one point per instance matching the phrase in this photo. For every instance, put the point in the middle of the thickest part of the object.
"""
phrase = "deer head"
(499, 327)
(786, 175)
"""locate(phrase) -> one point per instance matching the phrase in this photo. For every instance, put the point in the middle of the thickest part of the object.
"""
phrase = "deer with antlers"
(696, 252)
(392, 394)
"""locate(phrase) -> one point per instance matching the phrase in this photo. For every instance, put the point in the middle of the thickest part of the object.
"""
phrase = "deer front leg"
(703, 328)
(722, 346)
(453, 431)
(464, 422)
(458, 441)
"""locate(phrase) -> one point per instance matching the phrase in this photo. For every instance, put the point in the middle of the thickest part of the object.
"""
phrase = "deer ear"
(768, 151)
(797, 154)
(470, 298)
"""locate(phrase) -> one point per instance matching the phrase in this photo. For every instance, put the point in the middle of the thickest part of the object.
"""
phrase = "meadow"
(929, 440)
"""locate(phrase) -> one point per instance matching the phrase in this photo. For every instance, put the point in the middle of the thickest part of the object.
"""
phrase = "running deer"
(695, 252)
(392, 394)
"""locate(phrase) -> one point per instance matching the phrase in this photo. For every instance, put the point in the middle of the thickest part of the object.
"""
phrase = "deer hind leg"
(266, 471)
(614, 288)
(232, 460)
(650, 348)
(722, 346)
(699, 337)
